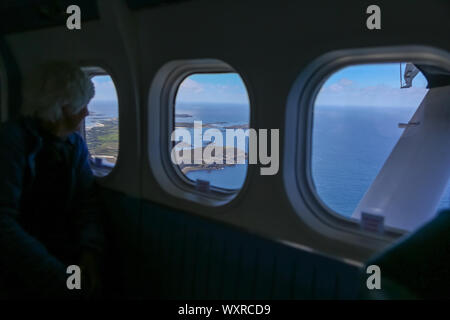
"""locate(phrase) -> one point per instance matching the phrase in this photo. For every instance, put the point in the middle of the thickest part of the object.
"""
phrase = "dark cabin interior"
(163, 247)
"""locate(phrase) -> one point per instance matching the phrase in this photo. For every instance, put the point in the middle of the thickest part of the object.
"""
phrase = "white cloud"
(341, 85)
(189, 91)
(345, 82)
(192, 91)
(105, 91)
(191, 85)
(348, 93)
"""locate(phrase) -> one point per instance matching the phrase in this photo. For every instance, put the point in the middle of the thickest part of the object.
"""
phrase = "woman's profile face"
(73, 121)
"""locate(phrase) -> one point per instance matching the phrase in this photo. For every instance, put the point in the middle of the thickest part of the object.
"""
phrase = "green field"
(104, 140)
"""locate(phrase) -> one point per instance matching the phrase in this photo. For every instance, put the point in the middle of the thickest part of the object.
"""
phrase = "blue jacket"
(26, 264)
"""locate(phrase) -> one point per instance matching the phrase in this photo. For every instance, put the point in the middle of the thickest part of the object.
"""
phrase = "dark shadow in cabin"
(50, 216)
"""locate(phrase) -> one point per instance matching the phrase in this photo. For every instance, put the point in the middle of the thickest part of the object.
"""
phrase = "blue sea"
(100, 111)
(230, 177)
(350, 145)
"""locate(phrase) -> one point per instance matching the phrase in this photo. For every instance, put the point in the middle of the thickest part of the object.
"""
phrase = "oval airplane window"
(102, 126)
(210, 138)
(370, 123)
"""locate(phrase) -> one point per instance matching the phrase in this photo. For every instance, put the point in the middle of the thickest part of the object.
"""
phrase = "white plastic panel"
(409, 186)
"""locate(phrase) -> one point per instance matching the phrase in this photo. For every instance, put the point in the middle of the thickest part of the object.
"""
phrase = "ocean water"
(100, 111)
(350, 145)
(230, 177)
(228, 114)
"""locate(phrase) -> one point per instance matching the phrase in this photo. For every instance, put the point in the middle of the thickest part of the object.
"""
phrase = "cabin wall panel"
(282, 287)
(123, 243)
(216, 266)
(269, 56)
(201, 256)
(248, 266)
(208, 260)
(174, 275)
(269, 44)
(151, 246)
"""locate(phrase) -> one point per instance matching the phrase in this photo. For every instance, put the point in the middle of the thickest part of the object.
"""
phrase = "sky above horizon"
(104, 88)
(213, 87)
(372, 85)
(375, 85)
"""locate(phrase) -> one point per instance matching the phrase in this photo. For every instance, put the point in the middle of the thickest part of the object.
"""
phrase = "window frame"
(161, 118)
(299, 124)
